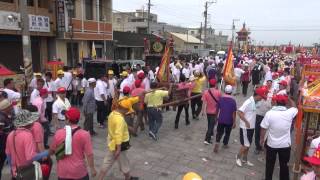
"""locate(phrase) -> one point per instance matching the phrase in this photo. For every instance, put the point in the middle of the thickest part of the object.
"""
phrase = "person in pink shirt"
(21, 148)
(40, 103)
(210, 100)
(73, 166)
(138, 107)
(183, 85)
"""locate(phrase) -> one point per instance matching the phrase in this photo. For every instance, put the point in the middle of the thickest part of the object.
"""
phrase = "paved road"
(180, 151)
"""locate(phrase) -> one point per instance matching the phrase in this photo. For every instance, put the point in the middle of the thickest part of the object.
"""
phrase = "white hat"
(228, 89)
(91, 80)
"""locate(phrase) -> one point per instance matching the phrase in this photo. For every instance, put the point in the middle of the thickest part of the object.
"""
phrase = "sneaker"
(238, 161)
(153, 136)
(257, 151)
(134, 178)
(207, 142)
(188, 123)
(176, 126)
(248, 163)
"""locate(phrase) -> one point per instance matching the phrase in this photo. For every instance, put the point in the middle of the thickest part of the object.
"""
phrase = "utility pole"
(233, 30)
(26, 44)
(149, 7)
(206, 6)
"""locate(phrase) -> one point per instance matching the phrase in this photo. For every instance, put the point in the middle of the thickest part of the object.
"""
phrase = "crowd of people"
(129, 103)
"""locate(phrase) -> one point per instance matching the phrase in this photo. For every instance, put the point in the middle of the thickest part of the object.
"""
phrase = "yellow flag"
(228, 69)
(93, 51)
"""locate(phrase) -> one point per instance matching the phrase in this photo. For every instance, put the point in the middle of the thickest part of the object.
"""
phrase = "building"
(214, 41)
(91, 22)
(57, 31)
(184, 43)
(138, 22)
(42, 32)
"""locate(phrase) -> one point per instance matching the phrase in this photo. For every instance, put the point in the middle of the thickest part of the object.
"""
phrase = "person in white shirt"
(130, 75)
(35, 93)
(282, 88)
(127, 81)
(50, 86)
(276, 125)
(313, 146)
(238, 73)
(33, 83)
(101, 96)
(186, 71)
(66, 81)
(176, 73)
(59, 107)
(13, 95)
(150, 74)
(112, 84)
(58, 82)
(247, 114)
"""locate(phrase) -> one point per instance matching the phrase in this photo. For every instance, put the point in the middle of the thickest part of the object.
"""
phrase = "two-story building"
(42, 27)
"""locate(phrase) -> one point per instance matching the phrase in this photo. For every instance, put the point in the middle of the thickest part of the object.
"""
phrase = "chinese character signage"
(10, 21)
(39, 23)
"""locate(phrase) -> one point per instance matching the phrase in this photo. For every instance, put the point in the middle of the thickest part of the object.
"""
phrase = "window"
(89, 9)
(30, 2)
(8, 1)
(192, 32)
(43, 4)
(100, 12)
(195, 47)
(118, 20)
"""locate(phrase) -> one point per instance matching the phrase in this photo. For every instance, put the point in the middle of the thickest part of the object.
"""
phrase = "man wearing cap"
(101, 97)
(127, 81)
(59, 107)
(35, 92)
(6, 126)
(247, 114)
(210, 100)
(33, 83)
(20, 147)
(78, 149)
(277, 123)
(227, 111)
(58, 82)
(196, 103)
(89, 106)
(41, 106)
(314, 161)
(282, 88)
(118, 141)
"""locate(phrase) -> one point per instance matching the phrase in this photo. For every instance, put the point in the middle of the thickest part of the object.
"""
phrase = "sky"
(272, 22)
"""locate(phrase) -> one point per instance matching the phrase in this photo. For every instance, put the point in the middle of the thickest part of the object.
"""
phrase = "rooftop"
(186, 38)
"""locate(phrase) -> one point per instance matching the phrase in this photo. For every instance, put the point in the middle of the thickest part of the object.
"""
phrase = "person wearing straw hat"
(314, 161)
(6, 126)
(118, 141)
(20, 147)
(58, 82)
(192, 176)
(78, 148)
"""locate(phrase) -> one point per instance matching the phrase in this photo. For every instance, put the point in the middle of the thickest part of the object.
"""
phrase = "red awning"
(5, 71)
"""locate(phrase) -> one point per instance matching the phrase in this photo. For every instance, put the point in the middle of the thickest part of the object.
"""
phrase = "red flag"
(228, 69)
(164, 70)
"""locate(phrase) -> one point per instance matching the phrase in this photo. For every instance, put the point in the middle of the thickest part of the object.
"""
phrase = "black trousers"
(48, 111)
(284, 157)
(257, 132)
(88, 122)
(84, 178)
(196, 105)
(101, 112)
(46, 133)
(245, 87)
(186, 110)
(223, 129)
(68, 94)
(211, 122)
(3, 139)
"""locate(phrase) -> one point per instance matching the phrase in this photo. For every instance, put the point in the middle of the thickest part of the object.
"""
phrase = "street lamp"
(70, 8)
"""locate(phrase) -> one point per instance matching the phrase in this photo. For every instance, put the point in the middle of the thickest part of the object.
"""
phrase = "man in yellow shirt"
(118, 141)
(196, 103)
(153, 100)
